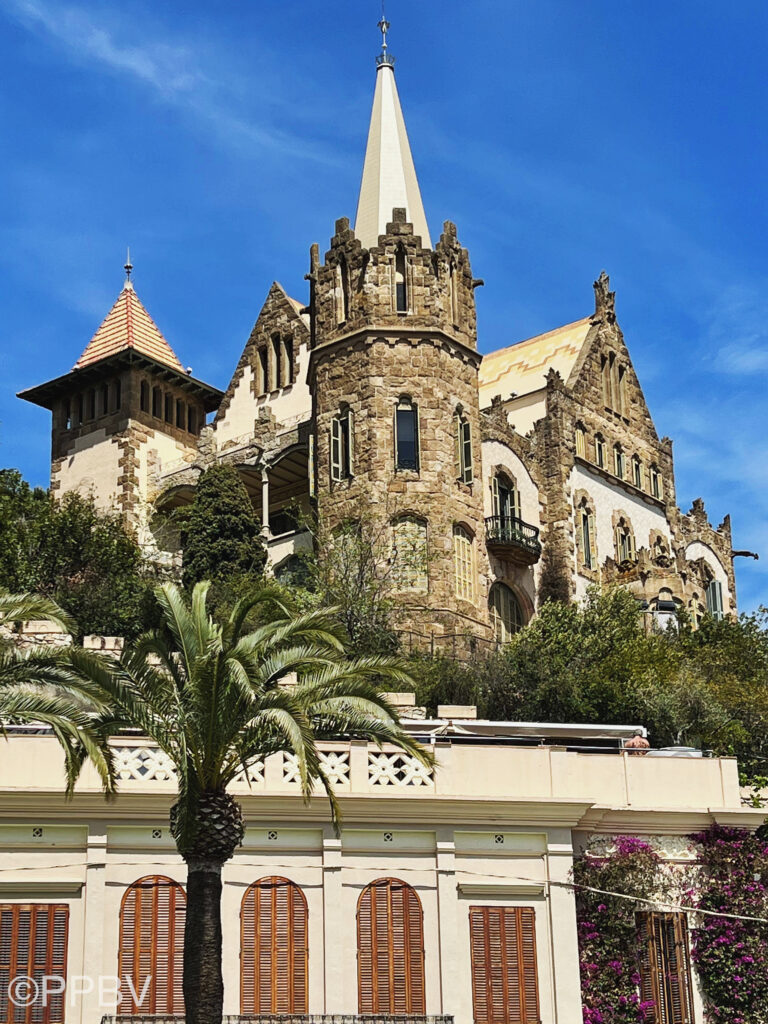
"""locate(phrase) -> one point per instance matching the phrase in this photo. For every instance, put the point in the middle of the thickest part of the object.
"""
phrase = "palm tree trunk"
(203, 981)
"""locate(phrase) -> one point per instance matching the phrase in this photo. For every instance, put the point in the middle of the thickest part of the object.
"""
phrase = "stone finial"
(605, 299)
(399, 215)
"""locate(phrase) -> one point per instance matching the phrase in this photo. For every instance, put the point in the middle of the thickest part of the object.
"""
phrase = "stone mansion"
(502, 479)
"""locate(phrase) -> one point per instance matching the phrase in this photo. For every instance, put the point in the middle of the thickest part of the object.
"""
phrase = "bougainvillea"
(609, 943)
(730, 876)
(731, 956)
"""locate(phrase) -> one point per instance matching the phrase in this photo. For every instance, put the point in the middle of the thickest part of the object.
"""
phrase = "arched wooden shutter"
(152, 917)
(390, 949)
(274, 951)
(505, 988)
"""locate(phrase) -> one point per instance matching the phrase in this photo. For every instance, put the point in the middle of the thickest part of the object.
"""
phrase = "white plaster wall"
(92, 466)
(522, 579)
(496, 454)
(523, 412)
(289, 405)
(610, 498)
(698, 550)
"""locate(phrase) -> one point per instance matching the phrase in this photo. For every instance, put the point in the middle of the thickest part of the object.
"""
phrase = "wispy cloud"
(186, 75)
(738, 329)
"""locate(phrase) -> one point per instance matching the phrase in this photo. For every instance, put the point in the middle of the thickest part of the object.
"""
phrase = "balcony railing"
(513, 538)
(289, 1018)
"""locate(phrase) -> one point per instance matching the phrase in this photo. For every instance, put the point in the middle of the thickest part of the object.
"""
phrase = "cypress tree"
(222, 538)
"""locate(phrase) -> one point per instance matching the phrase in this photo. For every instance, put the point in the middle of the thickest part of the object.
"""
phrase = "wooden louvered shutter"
(665, 970)
(350, 443)
(33, 943)
(390, 949)
(592, 537)
(151, 955)
(274, 953)
(505, 988)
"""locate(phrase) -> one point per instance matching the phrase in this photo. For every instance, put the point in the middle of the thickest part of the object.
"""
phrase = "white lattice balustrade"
(397, 770)
(143, 764)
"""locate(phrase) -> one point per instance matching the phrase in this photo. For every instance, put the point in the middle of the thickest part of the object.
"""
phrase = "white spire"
(389, 177)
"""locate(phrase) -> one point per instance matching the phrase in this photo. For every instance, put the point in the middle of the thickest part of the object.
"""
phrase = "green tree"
(76, 554)
(213, 697)
(37, 685)
(221, 535)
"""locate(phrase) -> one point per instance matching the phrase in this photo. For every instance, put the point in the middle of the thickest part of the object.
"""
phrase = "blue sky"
(220, 140)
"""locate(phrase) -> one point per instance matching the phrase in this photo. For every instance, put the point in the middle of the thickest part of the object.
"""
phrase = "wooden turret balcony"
(511, 538)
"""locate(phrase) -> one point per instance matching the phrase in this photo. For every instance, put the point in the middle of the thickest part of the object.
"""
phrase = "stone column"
(265, 532)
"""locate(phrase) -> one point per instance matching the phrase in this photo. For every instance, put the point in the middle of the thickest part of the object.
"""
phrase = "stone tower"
(126, 410)
(394, 381)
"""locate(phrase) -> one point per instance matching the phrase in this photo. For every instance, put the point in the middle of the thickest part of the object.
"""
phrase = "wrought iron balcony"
(512, 538)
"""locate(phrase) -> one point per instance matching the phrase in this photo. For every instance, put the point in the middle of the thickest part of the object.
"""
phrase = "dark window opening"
(191, 420)
(169, 409)
(401, 289)
(407, 436)
(157, 403)
(144, 398)
(263, 382)
(277, 371)
(180, 413)
(288, 356)
(118, 393)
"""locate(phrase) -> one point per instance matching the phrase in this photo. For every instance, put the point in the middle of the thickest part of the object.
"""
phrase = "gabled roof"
(522, 368)
(128, 326)
(389, 176)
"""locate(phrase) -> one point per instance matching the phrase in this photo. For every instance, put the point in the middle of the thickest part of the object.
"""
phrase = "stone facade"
(531, 472)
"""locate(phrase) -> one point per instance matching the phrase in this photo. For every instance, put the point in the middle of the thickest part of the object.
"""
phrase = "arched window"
(463, 437)
(390, 949)
(587, 535)
(151, 953)
(620, 464)
(144, 396)
(277, 363)
(625, 542)
(599, 451)
(464, 563)
(453, 283)
(409, 554)
(274, 950)
(506, 614)
(406, 434)
(342, 290)
(637, 472)
(581, 441)
(506, 501)
(401, 285)
(656, 483)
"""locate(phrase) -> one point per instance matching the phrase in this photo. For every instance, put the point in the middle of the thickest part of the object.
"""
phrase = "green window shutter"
(592, 531)
(335, 448)
(466, 452)
(350, 443)
(458, 440)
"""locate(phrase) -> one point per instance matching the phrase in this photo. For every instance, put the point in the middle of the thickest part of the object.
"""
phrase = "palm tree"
(38, 687)
(214, 697)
